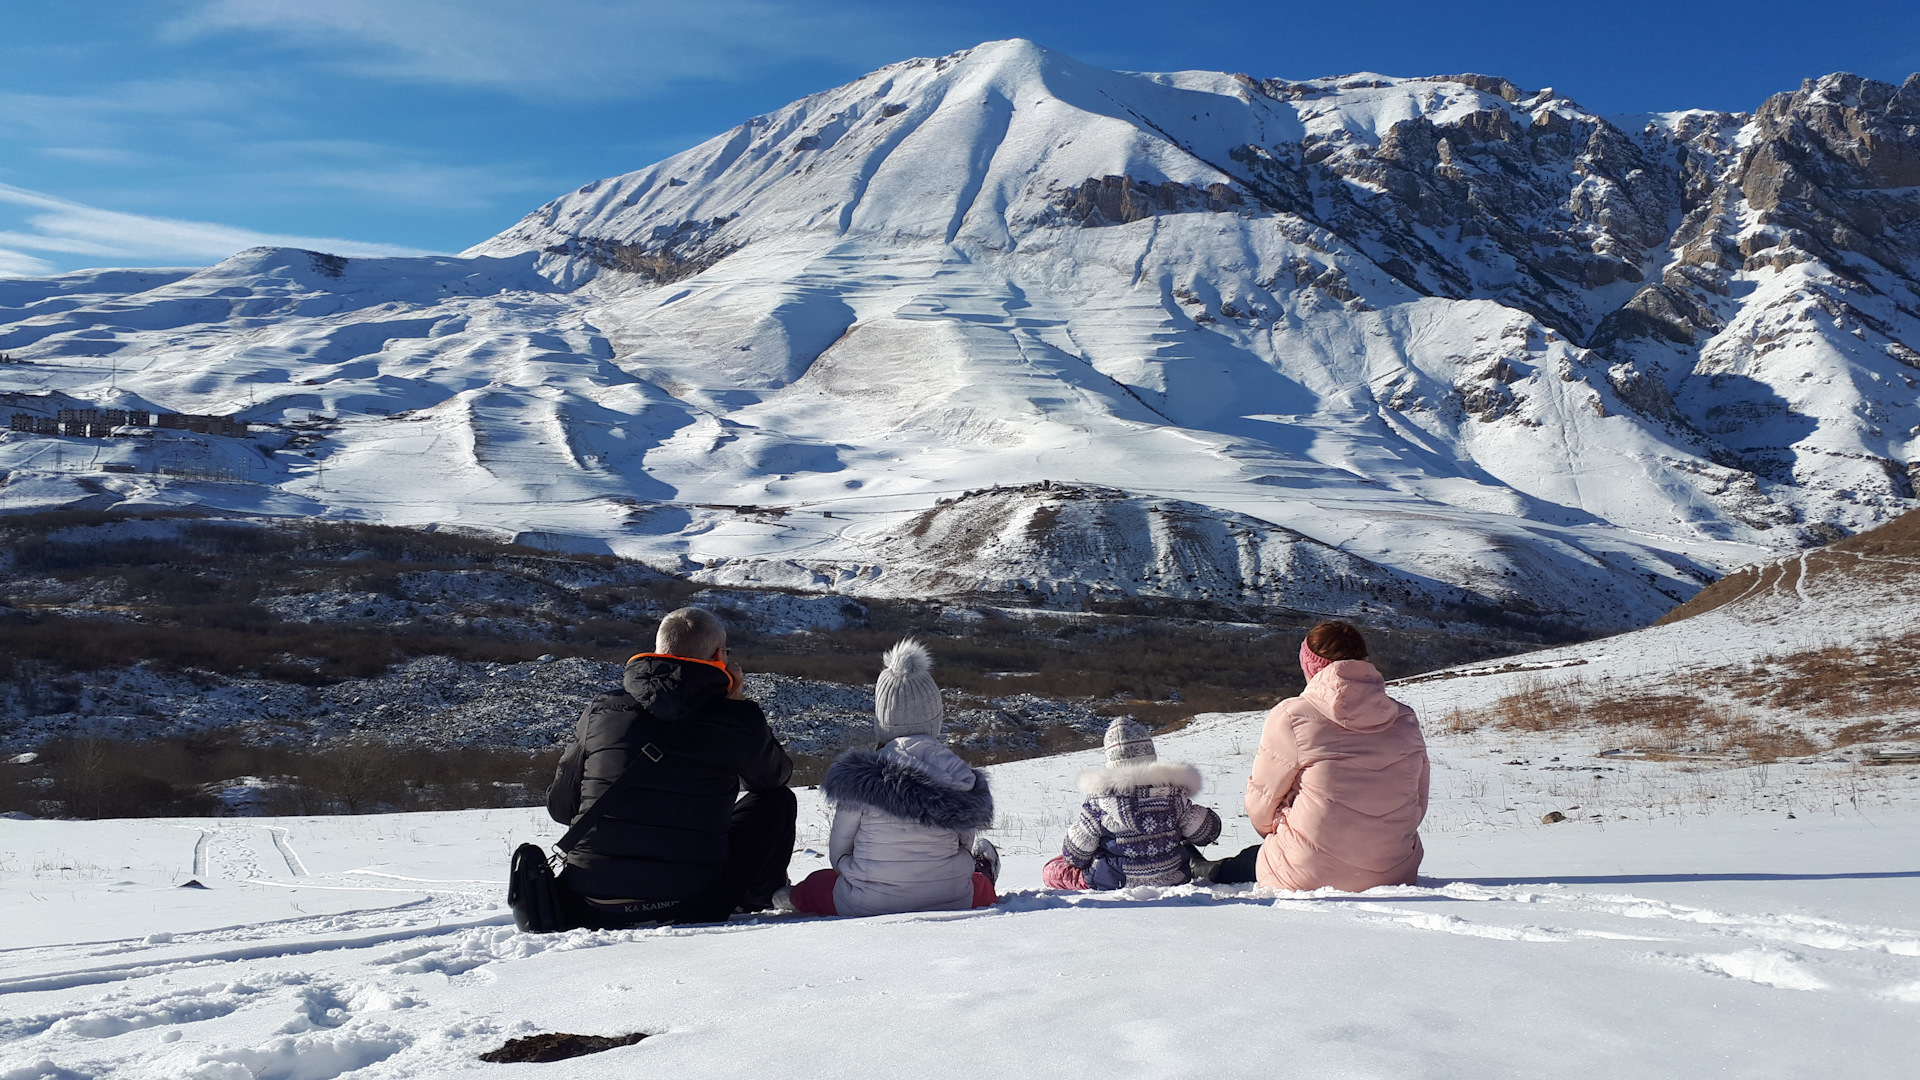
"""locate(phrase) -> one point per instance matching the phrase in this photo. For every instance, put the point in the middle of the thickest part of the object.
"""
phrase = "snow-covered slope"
(1810, 654)
(1683, 914)
(990, 322)
(1682, 925)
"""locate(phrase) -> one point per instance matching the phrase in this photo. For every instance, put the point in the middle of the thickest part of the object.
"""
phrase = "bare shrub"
(18, 792)
(1773, 743)
(1873, 678)
(1458, 721)
(1870, 731)
(1661, 712)
(1538, 705)
(1054, 739)
(96, 778)
(362, 776)
(1671, 720)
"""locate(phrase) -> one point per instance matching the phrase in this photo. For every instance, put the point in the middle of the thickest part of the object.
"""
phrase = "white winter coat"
(903, 826)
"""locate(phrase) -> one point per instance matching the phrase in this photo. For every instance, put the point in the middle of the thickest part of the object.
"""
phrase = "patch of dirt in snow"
(557, 1046)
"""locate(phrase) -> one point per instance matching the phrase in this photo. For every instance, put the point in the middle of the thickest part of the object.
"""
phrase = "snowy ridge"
(1492, 351)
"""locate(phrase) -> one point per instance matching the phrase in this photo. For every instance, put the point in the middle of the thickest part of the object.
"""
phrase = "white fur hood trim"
(1117, 778)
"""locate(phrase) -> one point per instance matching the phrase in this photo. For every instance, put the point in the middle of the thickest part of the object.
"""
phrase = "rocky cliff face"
(1424, 341)
(1522, 198)
(1779, 332)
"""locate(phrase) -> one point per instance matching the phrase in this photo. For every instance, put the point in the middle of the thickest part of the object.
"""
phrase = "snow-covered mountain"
(1004, 323)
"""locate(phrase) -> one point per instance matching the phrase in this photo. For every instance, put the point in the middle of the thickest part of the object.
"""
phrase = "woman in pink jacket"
(1339, 786)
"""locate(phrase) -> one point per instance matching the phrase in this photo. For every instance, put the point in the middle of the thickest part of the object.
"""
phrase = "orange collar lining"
(732, 683)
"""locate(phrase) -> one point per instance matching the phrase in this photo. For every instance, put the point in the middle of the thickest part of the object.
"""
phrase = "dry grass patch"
(1859, 693)
(1889, 554)
(1875, 679)
(1664, 722)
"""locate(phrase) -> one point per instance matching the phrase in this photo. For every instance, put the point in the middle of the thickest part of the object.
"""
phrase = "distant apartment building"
(99, 423)
(204, 425)
(34, 425)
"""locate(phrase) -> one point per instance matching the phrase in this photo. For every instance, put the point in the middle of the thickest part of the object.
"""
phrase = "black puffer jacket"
(666, 839)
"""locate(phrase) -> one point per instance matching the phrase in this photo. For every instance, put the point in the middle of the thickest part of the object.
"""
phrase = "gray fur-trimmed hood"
(888, 783)
(1118, 778)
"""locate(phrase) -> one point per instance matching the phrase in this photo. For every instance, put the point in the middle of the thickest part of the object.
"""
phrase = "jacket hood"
(931, 756)
(893, 784)
(671, 688)
(1115, 779)
(1352, 694)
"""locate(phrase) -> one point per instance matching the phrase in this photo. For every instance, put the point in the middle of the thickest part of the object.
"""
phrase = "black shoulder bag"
(533, 892)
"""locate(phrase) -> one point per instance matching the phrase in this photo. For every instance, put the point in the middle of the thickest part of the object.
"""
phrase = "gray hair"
(692, 632)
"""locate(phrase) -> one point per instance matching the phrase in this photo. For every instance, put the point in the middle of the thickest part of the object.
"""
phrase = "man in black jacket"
(676, 845)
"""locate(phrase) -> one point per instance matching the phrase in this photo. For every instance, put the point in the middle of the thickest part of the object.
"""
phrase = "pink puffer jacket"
(1339, 786)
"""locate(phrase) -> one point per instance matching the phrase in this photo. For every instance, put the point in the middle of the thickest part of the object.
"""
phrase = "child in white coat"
(906, 815)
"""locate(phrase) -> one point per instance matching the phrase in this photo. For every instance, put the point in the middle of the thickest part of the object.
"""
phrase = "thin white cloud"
(65, 245)
(16, 264)
(93, 155)
(421, 185)
(103, 114)
(387, 174)
(566, 48)
(68, 227)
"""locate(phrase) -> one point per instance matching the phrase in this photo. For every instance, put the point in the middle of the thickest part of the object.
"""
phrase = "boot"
(750, 905)
(1200, 868)
(986, 859)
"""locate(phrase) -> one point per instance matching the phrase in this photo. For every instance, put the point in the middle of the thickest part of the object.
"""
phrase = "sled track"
(129, 972)
(285, 847)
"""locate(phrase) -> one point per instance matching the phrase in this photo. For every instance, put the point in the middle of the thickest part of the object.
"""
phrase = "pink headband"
(1311, 662)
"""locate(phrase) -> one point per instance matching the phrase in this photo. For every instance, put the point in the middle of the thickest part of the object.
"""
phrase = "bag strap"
(583, 824)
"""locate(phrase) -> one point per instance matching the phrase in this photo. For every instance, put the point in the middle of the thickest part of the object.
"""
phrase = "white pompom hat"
(905, 699)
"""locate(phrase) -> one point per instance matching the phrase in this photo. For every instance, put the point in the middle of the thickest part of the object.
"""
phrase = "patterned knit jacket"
(1135, 825)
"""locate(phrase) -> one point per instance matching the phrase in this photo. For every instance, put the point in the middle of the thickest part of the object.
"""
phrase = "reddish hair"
(1337, 641)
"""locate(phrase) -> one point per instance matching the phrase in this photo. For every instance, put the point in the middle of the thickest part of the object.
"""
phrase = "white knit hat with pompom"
(905, 699)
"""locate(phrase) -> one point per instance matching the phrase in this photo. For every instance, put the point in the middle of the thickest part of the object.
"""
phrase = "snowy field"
(1685, 921)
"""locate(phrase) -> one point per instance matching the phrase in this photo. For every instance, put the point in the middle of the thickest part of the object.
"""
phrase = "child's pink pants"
(1061, 874)
(814, 896)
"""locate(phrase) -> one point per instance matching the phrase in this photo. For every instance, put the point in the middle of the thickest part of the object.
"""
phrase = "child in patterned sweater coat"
(1137, 821)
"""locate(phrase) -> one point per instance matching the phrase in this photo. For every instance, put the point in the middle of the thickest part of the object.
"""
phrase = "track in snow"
(285, 847)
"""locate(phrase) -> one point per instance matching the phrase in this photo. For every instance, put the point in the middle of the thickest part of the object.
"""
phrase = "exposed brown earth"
(1889, 556)
(1842, 676)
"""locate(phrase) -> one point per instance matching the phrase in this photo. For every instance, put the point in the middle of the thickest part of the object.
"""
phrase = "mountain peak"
(1004, 324)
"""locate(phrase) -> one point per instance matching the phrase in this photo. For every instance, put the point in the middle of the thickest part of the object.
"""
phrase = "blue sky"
(174, 132)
